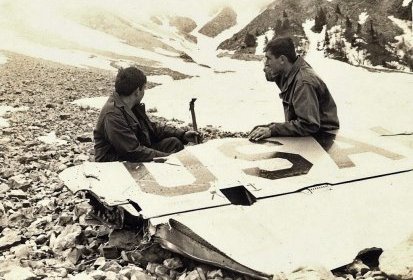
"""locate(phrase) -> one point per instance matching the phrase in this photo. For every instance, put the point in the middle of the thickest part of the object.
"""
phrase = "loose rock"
(357, 267)
(20, 273)
(9, 239)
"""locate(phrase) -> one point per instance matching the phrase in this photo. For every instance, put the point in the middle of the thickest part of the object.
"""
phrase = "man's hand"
(159, 159)
(192, 136)
(259, 133)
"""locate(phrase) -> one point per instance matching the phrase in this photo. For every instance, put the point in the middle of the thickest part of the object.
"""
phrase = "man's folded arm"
(125, 142)
(163, 131)
(306, 108)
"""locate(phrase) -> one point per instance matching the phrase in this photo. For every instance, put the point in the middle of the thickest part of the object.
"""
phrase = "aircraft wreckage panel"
(197, 177)
(318, 227)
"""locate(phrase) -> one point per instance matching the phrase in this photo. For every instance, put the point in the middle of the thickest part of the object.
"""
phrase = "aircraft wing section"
(229, 171)
(326, 228)
(258, 208)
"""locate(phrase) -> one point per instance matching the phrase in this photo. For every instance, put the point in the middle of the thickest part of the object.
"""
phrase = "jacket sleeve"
(125, 142)
(307, 112)
(163, 131)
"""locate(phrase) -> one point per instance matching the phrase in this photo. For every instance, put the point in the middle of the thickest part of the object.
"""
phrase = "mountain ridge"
(374, 40)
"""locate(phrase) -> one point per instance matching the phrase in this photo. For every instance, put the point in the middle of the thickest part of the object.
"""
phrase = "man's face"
(272, 66)
(139, 94)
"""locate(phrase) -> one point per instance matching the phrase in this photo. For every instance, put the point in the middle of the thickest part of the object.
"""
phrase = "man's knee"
(169, 145)
(176, 144)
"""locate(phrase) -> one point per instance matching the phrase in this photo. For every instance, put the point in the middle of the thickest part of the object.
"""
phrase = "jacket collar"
(287, 79)
(120, 104)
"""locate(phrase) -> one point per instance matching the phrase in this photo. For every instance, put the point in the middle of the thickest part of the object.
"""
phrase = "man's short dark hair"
(282, 46)
(128, 80)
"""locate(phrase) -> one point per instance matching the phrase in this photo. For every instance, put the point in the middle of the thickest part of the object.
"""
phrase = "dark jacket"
(122, 134)
(308, 104)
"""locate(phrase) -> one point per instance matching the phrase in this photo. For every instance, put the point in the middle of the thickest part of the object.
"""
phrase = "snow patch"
(92, 102)
(406, 2)
(407, 36)
(160, 79)
(165, 52)
(36, 29)
(404, 42)
(261, 41)
(239, 99)
(363, 17)
(3, 59)
(338, 41)
(3, 123)
(364, 99)
(51, 138)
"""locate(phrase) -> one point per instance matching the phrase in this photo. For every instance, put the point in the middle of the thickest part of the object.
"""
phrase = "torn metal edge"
(180, 239)
(174, 236)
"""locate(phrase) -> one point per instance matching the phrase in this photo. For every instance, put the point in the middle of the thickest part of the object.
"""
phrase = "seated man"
(125, 133)
(308, 105)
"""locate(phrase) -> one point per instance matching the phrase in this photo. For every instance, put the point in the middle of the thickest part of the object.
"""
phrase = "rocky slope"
(224, 20)
(185, 26)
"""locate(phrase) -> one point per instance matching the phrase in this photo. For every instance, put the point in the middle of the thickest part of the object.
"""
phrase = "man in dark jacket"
(125, 133)
(308, 105)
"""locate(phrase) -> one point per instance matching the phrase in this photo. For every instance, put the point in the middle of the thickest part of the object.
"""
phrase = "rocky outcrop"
(224, 20)
(185, 26)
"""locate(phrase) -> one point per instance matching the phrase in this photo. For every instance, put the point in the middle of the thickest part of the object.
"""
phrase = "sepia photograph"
(206, 140)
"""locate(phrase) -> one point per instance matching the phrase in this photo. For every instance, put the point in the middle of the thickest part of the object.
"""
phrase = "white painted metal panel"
(326, 227)
(192, 179)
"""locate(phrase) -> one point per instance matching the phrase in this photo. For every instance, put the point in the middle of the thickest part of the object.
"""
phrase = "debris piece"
(109, 252)
(20, 273)
(100, 262)
(98, 275)
(201, 273)
(214, 274)
(82, 276)
(64, 116)
(139, 275)
(74, 255)
(375, 275)
(64, 219)
(370, 256)
(133, 257)
(84, 138)
(9, 239)
(21, 251)
(111, 266)
(193, 275)
(66, 239)
(4, 188)
(18, 181)
(173, 263)
(17, 194)
(161, 270)
(357, 267)
(41, 239)
(129, 270)
(123, 239)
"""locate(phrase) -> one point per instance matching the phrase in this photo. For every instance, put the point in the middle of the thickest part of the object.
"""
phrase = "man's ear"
(284, 59)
